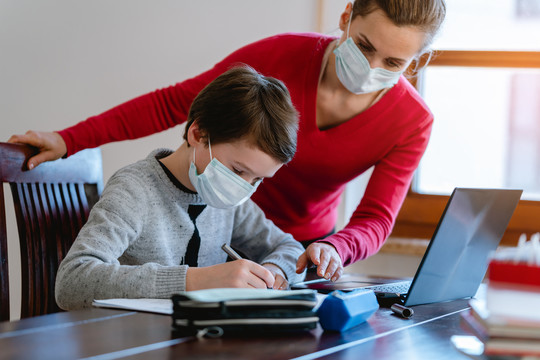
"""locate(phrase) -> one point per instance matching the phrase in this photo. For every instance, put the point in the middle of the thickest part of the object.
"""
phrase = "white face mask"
(218, 186)
(354, 72)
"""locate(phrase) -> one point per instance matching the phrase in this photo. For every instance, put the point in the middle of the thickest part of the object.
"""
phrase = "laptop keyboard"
(401, 287)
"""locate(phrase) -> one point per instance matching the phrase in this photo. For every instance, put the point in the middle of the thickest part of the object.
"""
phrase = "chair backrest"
(51, 203)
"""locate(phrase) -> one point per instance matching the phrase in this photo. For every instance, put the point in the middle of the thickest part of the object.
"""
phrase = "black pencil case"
(217, 312)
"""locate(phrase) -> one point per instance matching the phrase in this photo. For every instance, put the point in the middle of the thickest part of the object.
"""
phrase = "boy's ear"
(344, 18)
(194, 134)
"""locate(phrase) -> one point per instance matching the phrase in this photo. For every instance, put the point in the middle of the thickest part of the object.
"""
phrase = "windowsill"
(405, 246)
(413, 247)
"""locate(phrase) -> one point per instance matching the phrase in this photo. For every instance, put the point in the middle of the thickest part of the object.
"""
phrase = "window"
(484, 91)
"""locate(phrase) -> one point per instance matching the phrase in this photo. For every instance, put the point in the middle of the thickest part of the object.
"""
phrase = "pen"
(402, 311)
(229, 250)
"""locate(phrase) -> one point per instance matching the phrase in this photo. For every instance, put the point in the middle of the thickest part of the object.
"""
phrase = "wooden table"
(113, 334)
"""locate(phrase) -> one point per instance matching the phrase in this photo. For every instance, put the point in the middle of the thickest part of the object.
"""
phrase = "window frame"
(420, 213)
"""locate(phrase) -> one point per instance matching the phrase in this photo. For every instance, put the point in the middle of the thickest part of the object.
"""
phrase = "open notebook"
(158, 306)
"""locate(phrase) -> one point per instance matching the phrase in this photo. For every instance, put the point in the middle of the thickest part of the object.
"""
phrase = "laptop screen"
(456, 260)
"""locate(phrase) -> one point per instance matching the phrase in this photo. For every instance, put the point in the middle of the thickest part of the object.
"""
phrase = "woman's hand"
(234, 274)
(325, 257)
(50, 144)
(280, 279)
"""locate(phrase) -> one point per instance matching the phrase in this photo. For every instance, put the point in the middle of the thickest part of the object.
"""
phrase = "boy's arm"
(263, 242)
(91, 269)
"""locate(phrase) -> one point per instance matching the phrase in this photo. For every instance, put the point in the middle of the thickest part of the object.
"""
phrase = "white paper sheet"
(158, 306)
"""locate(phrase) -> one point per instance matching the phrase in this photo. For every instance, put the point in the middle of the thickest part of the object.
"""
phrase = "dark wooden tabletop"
(114, 334)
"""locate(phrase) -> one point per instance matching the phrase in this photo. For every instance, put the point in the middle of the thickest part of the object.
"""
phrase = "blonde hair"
(427, 15)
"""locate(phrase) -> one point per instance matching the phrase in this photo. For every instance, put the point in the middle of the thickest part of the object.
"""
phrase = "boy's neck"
(178, 164)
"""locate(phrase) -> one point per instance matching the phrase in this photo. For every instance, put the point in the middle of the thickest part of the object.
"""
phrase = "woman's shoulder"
(279, 54)
(296, 38)
(291, 42)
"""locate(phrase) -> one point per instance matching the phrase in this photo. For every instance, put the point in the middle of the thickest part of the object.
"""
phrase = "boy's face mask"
(219, 186)
(354, 72)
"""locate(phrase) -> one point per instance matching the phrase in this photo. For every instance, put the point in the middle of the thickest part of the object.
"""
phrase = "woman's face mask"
(355, 73)
(219, 186)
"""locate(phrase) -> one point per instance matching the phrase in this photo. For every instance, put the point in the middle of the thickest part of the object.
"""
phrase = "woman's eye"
(393, 64)
(364, 47)
(238, 172)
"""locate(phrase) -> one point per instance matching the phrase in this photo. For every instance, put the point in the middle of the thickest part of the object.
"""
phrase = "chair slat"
(4, 280)
(77, 210)
(49, 255)
(33, 239)
(70, 220)
(63, 226)
(55, 243)
(28, 258)
(39, 239)
(83, 201)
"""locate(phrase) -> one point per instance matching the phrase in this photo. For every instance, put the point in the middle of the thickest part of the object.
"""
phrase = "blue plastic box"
(341, 311)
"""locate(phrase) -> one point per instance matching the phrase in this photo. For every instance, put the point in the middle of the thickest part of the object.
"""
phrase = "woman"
(356, 111)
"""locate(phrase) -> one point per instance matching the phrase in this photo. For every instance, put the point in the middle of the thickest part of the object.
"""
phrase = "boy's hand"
(50, 144)
(325, 257)
(280, 279)
(234, 274)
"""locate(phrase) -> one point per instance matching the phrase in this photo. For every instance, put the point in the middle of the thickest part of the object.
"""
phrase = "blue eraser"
(341, 311)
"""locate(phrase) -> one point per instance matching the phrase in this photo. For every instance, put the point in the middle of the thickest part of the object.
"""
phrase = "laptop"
(456, 259)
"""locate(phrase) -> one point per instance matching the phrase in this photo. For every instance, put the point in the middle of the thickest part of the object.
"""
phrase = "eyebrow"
(372, 48)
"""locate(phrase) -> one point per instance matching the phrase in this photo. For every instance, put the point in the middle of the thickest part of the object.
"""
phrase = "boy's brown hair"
(243, 104)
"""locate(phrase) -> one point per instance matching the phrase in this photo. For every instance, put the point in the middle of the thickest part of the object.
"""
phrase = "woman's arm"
(373, 219)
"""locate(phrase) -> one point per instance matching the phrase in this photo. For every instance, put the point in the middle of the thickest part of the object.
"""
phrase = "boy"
(160, 224)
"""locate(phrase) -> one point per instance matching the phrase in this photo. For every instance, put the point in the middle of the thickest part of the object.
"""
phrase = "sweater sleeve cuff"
(288, 269)
(68, 139)
(170, 280)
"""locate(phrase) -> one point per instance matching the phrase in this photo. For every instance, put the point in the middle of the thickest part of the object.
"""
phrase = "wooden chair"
(51, 204)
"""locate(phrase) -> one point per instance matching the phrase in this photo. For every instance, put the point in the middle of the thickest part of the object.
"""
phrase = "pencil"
(229, 250)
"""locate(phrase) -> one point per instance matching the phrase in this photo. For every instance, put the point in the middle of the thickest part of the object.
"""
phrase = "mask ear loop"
(349, 26)
(210, 148)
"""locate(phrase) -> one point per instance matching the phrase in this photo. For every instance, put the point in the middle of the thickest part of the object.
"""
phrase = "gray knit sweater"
(136, 239)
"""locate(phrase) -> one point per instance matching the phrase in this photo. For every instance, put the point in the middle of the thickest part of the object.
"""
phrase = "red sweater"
(302, 198)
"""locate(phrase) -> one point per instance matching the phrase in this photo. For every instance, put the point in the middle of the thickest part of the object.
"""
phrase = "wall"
(63, 61)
